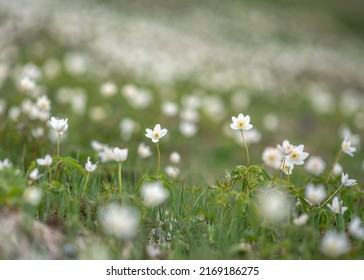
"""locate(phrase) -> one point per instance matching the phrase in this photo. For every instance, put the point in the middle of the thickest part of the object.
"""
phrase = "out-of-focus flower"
(334, 244)
(34, 175)
(46, 161)
(108, 89)
(120, 154)
(336, 206)
(287, 167)
(241, 122)
(172, 171)
(169, 109)
(144, 150)
(345, 181)
(347, 148)
(271, 122)
(301, 220)
(32, 196)
(89, 167)
(127, 127)
(337, 169)
(175, 157)
(315, 194)
(355, 229)
(153, 194)
(43, 103)
(59, 125)
(272, 157)
(187, 129)
(156, 134)
(26, 84)
(5, 163)
(274, 206)
(120, 221)
(315, 165)
(97, 146)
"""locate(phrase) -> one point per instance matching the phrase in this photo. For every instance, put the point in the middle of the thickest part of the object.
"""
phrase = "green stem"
(333, 165)
(58, 143)
(288, 178)
(86, 182)
(49, 174)
(120, 179)
(159, 158)
(246, 147)
(331, 196)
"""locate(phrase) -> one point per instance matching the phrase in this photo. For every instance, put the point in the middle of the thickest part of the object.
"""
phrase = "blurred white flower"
(156, 134)
(337, 169)
(187, 129)
(301, 220)
(153, 194)
(274, 205)
(144, 150)
(347, 148)
(43, 103)
(336, 206)
(345, 181)
(108, 89)
(353, 138)
(46, 161)
(315, 194)
(172, 171)
(315, 165)
(89, 167)
(241, 122)
(120, 154)
(106, 155)
(287, 167)
(127, 127)
(34, 175)
(272, 157)
(334, 244)
(175, 157)
(169, 109)
(98, 113)
(27, 84)
(240, 100)
(120, 221)
(271, 122)
(32, 195)
(59, 125)
(14, 113)
(286, 148)
(190, 115)
(5, 163)
(355, 229)
(97, 146)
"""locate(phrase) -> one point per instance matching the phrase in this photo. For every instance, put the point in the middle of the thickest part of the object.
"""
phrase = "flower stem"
(333, 165)
(120, 179)
(58, 143)
(331, 196)
(86, 182)
(159, 158)
(246, 147)
(49, 174)
(282, 166)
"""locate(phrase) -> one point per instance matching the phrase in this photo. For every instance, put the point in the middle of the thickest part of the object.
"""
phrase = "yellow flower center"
(241, 124)
(294, 155)
(156, 135)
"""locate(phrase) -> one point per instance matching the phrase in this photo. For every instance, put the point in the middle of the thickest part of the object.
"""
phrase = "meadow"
(194, 130)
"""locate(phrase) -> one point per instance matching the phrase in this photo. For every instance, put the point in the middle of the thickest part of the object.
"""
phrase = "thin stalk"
(336, 161)
(49, 174)
(159, 158)
(282, 166)
(331, 196)
(58, 142)
(86, 182)
(246, 147)
(120, 179)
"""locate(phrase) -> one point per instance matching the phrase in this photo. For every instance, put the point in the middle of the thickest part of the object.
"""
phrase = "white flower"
(347, 148)
(108, 89)
(120, 154)
(6, 163)
(315, 165)
(34, 175)
(297, 156)
(59, 125)
(46, 161)
(274, 205)
(301, 220)
(106, 155)
(336, 206)
(97, 146)
(32, 196)
(271, 122)
(89, 167)
(43, 103)
(187, 129)
(156, 134)
(315, 194)
(169, 109)
(287, 168)
(355, 228)
(38, 132)
(154, 194)
(345, 181)
(144, 150)
(172, 171)
(286, 148)
(241, 122)
(337, 169)
(120, 221)
(26, 84)
(334, 244)
(175, 157)
(272, 157)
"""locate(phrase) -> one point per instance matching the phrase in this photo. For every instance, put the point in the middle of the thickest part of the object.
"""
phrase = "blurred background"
(296, 67)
